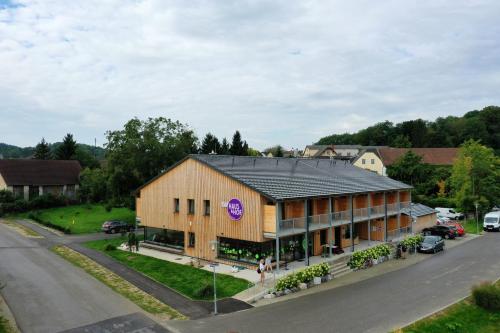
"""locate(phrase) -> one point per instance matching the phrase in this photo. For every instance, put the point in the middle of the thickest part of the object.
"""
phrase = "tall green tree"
(42, 151)
(210, 145)
(225, 147)
(142, 150)
(93, 185)
(409, 168)
(67, 149)
(238, 146)
(475, 176)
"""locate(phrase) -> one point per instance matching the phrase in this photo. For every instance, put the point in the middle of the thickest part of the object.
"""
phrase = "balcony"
(360, 214)
(392, 209)
(377, 212)
(317, 222)
(292, 226)
(342, 217)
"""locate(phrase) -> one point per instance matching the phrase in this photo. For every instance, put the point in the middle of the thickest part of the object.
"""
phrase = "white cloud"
(279, 71)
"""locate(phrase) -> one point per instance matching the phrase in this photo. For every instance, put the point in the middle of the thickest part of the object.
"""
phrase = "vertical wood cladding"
(194, 180)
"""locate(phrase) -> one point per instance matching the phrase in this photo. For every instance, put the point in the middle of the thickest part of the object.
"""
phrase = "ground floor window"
(164, 237)
(245, 251)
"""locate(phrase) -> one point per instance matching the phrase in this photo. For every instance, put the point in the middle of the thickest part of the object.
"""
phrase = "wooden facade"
(193, 180)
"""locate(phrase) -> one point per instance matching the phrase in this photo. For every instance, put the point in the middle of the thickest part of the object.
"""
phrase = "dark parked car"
(112, 227)
(445, 231)
(431, 244)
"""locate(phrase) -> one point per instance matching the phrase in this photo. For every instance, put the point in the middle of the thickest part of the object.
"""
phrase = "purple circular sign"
(235, 209)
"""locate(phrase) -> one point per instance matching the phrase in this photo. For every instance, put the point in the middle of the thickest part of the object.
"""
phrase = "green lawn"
(4, 326)
(183, 278)
(470, 226)
(462, 317)
(81, 219)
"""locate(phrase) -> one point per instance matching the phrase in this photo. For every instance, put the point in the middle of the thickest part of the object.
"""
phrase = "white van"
(492, 221)
(449, 213)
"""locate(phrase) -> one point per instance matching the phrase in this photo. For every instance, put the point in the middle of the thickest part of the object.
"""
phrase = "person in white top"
(268, 266)
(262, 272)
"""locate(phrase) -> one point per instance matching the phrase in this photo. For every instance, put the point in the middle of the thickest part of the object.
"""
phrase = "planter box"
(317, 280)
(302, 286)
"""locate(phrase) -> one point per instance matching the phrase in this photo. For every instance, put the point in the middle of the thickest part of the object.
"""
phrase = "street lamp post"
(476, 204)
(213, 265)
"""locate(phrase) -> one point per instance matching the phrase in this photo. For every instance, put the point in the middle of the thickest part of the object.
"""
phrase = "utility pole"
(476, 204)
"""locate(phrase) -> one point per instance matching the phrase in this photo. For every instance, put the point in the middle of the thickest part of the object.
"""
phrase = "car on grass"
(449, 213)
(492, 221)
(114, 226)
(431, 244)
(445, 231)
(442, 220)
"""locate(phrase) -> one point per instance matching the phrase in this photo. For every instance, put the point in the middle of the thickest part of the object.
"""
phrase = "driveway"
(47, 294)
(379, 304)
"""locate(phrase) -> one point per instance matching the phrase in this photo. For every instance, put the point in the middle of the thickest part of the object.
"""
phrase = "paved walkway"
(190, 308)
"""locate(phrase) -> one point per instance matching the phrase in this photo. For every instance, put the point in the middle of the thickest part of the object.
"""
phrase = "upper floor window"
(363, 161)
(190, 206)
(373, 161)
(206, 207)
(176, 205)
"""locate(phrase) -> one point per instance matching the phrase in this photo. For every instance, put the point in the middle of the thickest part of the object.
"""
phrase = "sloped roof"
(40, 172)
(297, 178)
(436, 156)
(418, 210)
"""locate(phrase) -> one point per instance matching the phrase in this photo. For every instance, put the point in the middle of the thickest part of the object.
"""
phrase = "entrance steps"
(339, 267)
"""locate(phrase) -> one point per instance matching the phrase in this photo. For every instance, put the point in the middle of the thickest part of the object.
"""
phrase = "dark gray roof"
(294, 178)
(418, 210)
(40, 172)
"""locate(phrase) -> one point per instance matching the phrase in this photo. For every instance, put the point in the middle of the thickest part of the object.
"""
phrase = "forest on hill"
(451, 131)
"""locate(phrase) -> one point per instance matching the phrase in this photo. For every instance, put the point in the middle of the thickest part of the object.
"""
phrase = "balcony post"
(368, 204)
(351, 208)
(330, 230)
(398, 205)
(306, 214)
(278, 220)
(385, 216)
(411, 217)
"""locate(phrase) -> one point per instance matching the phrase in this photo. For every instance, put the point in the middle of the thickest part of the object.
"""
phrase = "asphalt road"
(379, 304)
(47, 294)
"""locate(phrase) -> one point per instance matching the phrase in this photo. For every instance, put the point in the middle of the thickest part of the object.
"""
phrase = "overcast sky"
(285, 72)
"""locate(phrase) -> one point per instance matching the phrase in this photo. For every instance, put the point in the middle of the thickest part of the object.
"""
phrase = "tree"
(42, 151)
(93, 185)
(142, 150)
(238, 147)
(276, 151)
(253, 152)
(401, 141)
(210, 145)
(224, 147)
(475, 176)
(408, 168)
(67, 149)
(85, 158)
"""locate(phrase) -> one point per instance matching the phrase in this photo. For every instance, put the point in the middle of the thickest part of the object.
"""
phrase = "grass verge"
(471, 227)
(462, 317)
(21, 229)
(185, 279)
(5, 326)
(145, 301)
(79, 219)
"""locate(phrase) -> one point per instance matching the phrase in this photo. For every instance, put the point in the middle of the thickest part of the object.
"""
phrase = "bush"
(359, 258)
(303, 276)
(108, 207)
(412, 241)
(205, 291)
(288, 282)
(109, 247)
(6, 196)
(47, 201)
(487, 296)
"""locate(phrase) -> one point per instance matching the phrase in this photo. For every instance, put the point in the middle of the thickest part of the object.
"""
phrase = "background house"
(378, 159)
(31, 178)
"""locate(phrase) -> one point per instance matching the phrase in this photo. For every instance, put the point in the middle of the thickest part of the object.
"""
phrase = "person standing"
(261, 271)
(268, 266)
